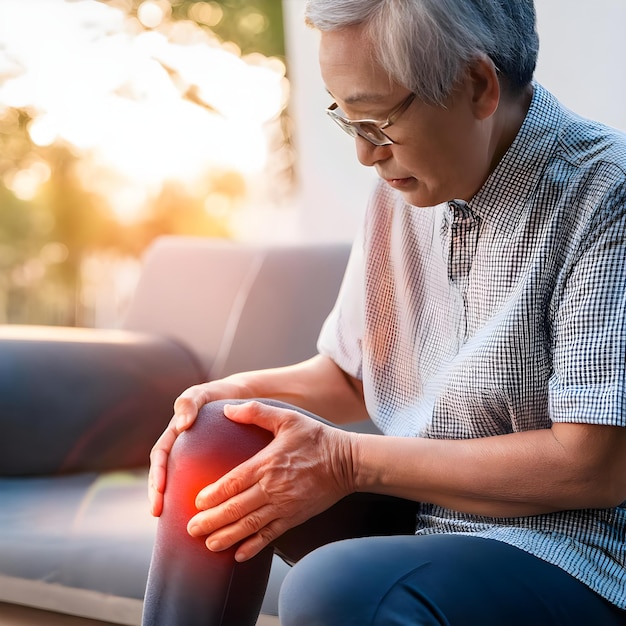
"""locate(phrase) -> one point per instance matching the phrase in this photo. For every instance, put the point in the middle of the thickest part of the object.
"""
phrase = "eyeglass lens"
(366, 130)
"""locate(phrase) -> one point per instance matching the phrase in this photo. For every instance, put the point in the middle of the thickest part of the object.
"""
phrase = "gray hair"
(425, 45)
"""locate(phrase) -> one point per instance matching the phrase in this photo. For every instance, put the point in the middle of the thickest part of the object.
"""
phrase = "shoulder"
(583, 144)
(586, 170)
(586, 143)
(591, 147)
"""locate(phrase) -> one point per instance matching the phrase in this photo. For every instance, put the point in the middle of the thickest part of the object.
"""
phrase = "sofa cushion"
(241, 306)
(90, 531)
(81, 544)
(78, 399)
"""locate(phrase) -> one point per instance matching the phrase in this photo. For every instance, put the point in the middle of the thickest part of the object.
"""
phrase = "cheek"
(430, 145)
(446, 154)
(428, 160)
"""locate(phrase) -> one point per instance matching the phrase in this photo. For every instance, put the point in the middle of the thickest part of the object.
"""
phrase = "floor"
(14, 615)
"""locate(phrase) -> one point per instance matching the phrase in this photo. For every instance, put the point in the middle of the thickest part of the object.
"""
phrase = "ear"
(484, 87)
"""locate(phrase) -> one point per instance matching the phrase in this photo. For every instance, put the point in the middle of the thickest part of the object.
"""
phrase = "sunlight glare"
(151, 13)
(25, 183)
(209, 13)
(43, 130)
(136, 103)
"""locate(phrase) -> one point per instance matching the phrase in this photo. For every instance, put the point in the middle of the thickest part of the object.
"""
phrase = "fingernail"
(214, 546)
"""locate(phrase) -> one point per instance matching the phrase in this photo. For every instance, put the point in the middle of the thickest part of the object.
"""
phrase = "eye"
(370, 131)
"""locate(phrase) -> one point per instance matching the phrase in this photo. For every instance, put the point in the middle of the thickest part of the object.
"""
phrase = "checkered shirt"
(503, 314)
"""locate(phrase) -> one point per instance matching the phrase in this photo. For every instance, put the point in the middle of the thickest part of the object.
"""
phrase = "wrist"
(341, 458)
(358, 470)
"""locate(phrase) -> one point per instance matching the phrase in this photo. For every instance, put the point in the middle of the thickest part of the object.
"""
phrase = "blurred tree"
(45, 234)
(51, 220)
(176, 212)
(82, 222)
(254, 26)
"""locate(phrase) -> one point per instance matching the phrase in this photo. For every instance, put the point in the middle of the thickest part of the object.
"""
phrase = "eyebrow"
(357, 98)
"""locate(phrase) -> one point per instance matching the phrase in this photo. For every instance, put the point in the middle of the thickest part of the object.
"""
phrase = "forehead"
(349, 67)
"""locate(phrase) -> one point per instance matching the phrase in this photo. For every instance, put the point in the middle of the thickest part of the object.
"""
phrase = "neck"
(511, 113)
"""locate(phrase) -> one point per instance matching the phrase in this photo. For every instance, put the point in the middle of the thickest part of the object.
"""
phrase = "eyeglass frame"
(354, 127)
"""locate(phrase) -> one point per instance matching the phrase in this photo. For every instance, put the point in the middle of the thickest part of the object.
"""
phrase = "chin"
(423, 200)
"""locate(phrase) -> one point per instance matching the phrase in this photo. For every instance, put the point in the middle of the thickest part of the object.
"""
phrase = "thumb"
(254, 412)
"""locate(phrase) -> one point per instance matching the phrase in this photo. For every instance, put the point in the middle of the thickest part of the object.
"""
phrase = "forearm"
(518, 474)
(317, 385)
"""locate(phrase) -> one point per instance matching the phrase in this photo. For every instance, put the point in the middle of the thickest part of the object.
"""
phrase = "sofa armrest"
(77, 399)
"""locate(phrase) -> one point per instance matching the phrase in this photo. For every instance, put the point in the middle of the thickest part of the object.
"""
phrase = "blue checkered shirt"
(503, 314)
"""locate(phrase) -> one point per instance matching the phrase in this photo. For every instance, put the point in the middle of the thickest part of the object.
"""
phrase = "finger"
(156, 502)
(156, 481)
(187, 405)
(159, 453)
(250, 534)
(258, 413)
(253, 525)
(231, 484)
(266, 535)
(243, 506)
(158, 466)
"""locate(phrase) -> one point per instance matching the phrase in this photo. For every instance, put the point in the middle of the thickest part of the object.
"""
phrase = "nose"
(368, 154)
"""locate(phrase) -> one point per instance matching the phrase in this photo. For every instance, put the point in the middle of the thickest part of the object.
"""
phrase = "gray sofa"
(80, 409)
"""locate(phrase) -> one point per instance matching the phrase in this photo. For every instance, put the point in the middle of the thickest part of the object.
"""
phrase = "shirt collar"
(503, 197)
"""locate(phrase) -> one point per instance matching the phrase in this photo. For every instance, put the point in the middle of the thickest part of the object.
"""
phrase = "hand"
(302, 472)
(186, 410)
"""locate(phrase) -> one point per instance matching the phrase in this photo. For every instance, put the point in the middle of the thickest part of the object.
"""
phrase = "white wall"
(333, 185)
(582, 57)
(581, 61)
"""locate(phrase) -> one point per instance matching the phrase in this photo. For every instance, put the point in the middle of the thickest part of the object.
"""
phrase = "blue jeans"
(357, 563)
(436, 580)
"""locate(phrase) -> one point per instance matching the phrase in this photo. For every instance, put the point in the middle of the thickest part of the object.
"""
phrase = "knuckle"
(252, 523)
(270, 532)
(184, 403)
(234, 486)
(193, 395)
(233, 510)
(155, 453)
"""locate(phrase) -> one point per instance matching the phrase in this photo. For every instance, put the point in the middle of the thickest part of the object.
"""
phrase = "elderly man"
(481, 325)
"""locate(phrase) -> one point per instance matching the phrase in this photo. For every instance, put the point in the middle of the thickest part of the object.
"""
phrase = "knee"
(213, 436)
(213, 446)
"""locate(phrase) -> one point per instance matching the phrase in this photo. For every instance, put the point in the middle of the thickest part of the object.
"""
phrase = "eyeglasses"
(371, 130)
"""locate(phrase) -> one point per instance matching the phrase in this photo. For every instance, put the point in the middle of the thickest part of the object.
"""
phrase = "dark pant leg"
(436, 580)
(190, 586)
(357, 515)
